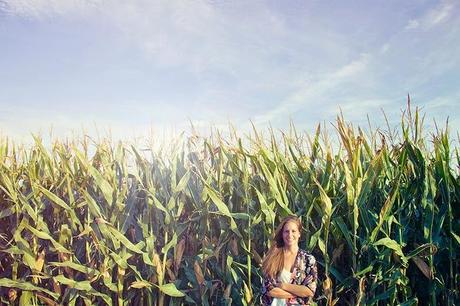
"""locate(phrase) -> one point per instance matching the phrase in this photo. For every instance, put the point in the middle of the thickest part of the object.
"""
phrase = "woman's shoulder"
(307, 257)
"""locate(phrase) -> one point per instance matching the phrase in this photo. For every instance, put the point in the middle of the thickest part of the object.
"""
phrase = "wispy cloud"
(384, 49)
(440, 14)
(42, 9)
(433, 17)
(440, 102)
(311, 91)
(442, 108)
(199, 34)
(412, 24)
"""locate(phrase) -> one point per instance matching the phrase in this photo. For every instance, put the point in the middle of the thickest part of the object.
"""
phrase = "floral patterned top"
(303, 272)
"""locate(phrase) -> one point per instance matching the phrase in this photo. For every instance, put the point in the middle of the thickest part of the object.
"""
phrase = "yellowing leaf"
(140, 284)
(171, 290)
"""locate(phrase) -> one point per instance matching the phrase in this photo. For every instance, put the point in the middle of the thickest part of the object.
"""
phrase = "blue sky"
(134, 66)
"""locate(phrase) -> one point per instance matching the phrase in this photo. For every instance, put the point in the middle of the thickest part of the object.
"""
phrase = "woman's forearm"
(280, 293)
(297, 290)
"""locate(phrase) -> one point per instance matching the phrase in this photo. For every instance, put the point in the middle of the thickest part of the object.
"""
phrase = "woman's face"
(291, 234)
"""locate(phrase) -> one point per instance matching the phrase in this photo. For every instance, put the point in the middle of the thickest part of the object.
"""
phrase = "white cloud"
(42, 9)
(352, 68)
(441, 109)
(412, 24)
(443, 102)
(354, 108)
(433, 17)
(384, 49)
(311, 91)
(440, 13)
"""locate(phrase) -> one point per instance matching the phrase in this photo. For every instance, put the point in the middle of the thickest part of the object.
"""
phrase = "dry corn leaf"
(198, 273)
(178, 253)
(421, 264)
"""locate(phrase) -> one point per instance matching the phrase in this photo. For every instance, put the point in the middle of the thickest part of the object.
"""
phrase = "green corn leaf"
(222, 208)
(267, 211)
(92, 205)
(45, 236)
(75, 266)
(392, 244)
(23, 285)
(61, 203)
(103, 184)
(325, 200)
(124, 241)
(340, 223)
(385, 210)
(170, 244)
(79, 285)
(7, 186)
(140, 284)
(182, 183)
(171, 290)
(456, 237)
(54, 198)
(27, 298)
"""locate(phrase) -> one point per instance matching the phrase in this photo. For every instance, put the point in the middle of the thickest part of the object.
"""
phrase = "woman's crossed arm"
(279, 293)
(296, 290)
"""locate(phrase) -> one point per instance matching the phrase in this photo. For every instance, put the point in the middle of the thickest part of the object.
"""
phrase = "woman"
(290, 274)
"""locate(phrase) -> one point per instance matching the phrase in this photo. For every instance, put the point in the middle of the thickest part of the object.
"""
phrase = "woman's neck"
(293, 249)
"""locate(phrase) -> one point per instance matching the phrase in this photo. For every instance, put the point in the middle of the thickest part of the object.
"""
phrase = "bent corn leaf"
(171, 290)
(5, 282)
(222, 207)
(392, 244)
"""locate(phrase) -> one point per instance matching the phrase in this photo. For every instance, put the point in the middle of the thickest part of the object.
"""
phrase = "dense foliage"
(95, 222)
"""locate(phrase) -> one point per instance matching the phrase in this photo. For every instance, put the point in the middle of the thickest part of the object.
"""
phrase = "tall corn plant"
(85, 222)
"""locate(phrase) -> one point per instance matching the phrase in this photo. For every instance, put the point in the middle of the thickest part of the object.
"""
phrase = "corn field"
(87, 222)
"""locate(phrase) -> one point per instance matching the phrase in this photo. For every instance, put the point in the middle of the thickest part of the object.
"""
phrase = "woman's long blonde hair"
(274, 260)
